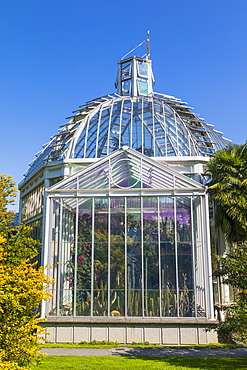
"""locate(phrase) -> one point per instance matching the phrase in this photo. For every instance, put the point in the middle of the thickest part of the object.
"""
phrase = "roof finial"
(148, 45)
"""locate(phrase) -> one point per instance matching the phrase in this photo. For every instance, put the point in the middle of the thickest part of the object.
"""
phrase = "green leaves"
(233, 271)
(228, 189)
(233, 267)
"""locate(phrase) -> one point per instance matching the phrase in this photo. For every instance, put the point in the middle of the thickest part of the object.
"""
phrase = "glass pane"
(97, 178)
(142, 68)
(142, 87)
(36, 234)
(100, 281)
(66, 257)
(126, 122)
(92, 136)
(151, 256)
(53, 271)
(137, 126)
(168, 259)
(66, 301)
(83, 259)
(134, 265)
(126, 86)
(126, 70)
(117, 267)
(185, 258)
(125, 172)
(199, 258)
(113, 129)
(148, 129)
(33, 203)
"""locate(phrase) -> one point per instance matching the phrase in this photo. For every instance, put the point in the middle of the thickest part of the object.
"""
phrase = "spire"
(148, 46)
(135, 76)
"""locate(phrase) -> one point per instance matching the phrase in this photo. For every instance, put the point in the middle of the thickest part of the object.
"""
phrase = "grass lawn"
(142, 362)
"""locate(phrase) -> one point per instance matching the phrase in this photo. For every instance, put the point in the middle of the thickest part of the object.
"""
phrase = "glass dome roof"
(156, 125)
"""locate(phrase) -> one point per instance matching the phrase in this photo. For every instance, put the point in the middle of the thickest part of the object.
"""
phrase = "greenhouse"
(118, 200)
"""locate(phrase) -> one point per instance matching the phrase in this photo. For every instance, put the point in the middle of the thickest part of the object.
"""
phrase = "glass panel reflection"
(126, 87)
(134, 266)
(185, 257)
(100, 280)
(117, 267)
(66, 255)
(199, 258)
(65, 302)
(53, 271)
(84, 258)
(142, 87)
(142, 68)
(126, 70)
(168, 259)
(151, 256)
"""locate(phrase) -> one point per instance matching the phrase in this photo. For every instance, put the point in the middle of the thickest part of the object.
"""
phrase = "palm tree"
(228, 189)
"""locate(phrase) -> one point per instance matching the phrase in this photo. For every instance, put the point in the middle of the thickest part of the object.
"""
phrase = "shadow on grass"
(181, 352)
(206, 363)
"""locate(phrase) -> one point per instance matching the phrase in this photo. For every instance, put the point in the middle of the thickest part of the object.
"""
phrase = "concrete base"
(127, 331)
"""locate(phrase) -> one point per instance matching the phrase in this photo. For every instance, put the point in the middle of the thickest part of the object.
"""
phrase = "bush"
(233, 270)
(22, 288)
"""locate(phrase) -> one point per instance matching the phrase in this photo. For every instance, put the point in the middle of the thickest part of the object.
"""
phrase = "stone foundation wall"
(180, 333)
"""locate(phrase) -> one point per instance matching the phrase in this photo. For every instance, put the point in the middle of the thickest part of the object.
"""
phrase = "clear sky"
(58, 54)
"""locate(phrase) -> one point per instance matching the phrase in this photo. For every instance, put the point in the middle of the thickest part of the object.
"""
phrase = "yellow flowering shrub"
(2, 239)
(22, 288)
(8, 192)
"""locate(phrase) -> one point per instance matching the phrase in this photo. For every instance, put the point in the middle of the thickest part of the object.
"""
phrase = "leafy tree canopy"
(233, 270)
(228, 189)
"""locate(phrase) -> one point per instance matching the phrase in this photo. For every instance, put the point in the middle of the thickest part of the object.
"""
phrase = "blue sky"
(58, 54)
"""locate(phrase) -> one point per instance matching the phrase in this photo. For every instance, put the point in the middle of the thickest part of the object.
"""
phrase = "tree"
(7, 196)
(22, 287)
(233, 270)
(228, 189)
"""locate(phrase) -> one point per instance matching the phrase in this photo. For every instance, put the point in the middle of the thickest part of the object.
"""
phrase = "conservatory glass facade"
(117, 199)
(155, 125)
(130, 237)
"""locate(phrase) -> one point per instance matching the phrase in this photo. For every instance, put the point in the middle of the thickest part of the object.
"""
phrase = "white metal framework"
(156, 125)
(124, 226)
(130, 238)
